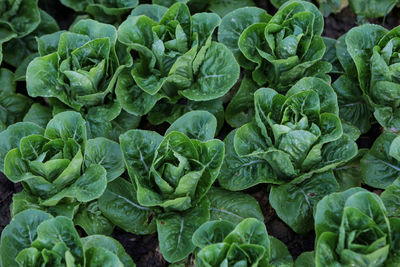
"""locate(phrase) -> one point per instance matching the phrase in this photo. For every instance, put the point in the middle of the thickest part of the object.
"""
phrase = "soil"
(144, 249)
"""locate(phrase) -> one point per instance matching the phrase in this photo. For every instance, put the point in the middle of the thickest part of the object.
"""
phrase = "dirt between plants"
(144, 249)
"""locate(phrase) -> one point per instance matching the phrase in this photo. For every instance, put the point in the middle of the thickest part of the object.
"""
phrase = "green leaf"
(138, 148)
(90, 218)
(234, 23)
(239, 173)
(374, 9)
(379, 168)
(391, 199)
(155, 11)
(212, 232)
(175, 231)
(68, 124)
(119, 204)
(200, 125)
(360, 41)
(133, 99)
(306, 259)
(99, 256)
(110, 245)
(232, 206)
(294, 203)
(348, 175)
(217, 74)
(240, 109)
(106, 153)
(38, 114)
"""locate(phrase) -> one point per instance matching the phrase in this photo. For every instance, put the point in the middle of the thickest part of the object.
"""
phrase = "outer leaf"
(175, 231)
(378, 168)
(212, 232)
(200, 125)
(234, 23)
(294, 203)
(232, 206)
(106, 153)
(119, 204)
(239, 173)
(110, 245)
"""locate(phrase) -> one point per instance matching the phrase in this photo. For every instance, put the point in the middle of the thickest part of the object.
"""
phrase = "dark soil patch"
(7, 189)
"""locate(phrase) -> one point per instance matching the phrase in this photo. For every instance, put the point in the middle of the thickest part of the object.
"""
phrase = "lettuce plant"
(171, 177)
(294, 143)
(222, 243)
(369, 55)
(285, 48)
(58, 167)
(353, 229)
(36, 238)
(276, 51)
(13, 106)
(78, 70)
(175, 62)
(102, 10)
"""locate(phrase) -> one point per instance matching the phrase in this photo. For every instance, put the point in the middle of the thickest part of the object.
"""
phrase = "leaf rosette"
(181, 172)
(174, 58)
(170, 185)
(58, 167)
(369, 55)
(294, 143)
(36, 238)
(221, 243)
(78, 68)
(297, 133)
(287, 47)
(352, 228)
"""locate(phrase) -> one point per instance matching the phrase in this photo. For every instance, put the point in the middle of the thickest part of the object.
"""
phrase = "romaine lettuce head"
(174, 58)
(221, 243)
(352, 228)
(58, 167)
(36, 238)
(287, 47)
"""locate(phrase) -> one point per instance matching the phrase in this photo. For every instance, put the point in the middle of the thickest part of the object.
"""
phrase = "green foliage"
(276, 51)
(370, 84)
(59, 168)
(352, 228)
(293, 143)
(102, 10)
(281, 49)
(78, 70)
(171, 177)
(222, 243)
(178, 61)
(380, 167)
(36, 238)
(13, 105)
